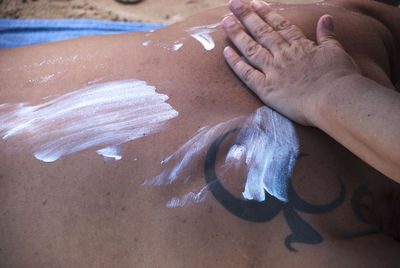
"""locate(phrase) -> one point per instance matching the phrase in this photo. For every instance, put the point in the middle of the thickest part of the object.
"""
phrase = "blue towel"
(17, 33)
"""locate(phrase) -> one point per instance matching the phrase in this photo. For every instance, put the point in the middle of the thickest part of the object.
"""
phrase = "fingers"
(325, 32)
(254, 52)
(261, 31)
(286, 29)
(253, 78)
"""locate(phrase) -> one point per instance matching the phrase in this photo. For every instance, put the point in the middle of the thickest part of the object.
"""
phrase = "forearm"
(364, 117)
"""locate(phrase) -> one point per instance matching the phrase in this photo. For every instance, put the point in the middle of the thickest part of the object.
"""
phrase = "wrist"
(331, 92)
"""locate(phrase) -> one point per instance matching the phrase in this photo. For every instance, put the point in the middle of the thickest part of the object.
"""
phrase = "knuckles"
(235, 62)
(247, 74)
(261, 30)
(234, 30)
(292, 32)
(252, 49)
(283, 25)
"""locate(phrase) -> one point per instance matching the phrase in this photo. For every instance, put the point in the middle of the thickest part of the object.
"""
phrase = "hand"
(286, 70)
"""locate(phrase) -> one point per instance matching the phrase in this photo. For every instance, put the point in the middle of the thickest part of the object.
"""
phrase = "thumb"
(325, 33)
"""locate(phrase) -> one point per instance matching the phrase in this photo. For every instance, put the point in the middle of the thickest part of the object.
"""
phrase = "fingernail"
(235, 4)
(228, 22)
(256, 4)
(228, 52)
(328, 23)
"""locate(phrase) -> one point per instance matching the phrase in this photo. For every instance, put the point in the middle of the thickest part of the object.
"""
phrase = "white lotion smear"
(186, 155)
(111, 153)
(266, 145)
(176, 47)
(203, 35)
(188, 199)
(235, 156)
(105, 114)
(146, 43)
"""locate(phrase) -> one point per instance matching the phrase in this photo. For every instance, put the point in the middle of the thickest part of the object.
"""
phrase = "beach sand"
(151, 11)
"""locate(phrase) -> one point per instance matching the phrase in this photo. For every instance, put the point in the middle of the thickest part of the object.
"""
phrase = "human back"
(80, 210)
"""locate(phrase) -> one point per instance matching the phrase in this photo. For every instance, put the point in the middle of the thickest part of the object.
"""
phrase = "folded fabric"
(17, 33)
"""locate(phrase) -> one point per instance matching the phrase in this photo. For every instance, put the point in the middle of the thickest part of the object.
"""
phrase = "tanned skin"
(82, 212)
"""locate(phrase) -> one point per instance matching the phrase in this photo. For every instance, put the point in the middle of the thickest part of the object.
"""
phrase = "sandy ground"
(152, 11)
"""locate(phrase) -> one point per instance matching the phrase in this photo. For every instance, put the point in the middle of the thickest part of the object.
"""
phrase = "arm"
(315, 85)
(364, 117)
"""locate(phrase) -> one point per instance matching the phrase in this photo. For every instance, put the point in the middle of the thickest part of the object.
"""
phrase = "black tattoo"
(360, 193)
(254, 211)
(356, 204)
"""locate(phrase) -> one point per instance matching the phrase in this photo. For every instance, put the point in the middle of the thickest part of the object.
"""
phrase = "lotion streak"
(266, 146)
(203, 34)
(105, 114)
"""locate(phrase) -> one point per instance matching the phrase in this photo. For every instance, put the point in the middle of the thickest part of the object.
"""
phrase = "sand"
(151, 11)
